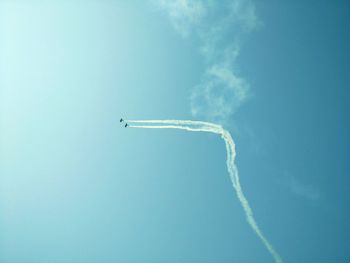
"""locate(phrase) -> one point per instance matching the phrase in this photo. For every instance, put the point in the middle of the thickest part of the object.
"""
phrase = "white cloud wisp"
(220, 27)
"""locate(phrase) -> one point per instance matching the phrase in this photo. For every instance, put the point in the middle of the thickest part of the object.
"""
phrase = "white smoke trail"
(198, 126)
(178, 122)
(175, 127)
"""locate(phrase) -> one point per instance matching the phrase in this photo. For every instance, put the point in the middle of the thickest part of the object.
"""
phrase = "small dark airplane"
(126, 125)
(121, 120)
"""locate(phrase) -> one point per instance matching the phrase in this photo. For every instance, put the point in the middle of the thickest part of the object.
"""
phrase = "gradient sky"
(77, 187)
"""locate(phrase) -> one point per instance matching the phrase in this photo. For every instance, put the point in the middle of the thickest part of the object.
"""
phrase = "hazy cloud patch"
(306, 191)
(220, 27)
(183, 14)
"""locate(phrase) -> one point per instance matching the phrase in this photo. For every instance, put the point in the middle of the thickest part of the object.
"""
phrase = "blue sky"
(76, 187)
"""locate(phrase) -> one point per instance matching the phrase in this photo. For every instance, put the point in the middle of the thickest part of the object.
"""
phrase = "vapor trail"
(176, 127)
(177, 122)
(199, 126)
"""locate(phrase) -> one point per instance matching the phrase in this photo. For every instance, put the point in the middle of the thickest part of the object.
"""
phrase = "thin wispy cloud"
(184, 14)
(305, 191)
(220, 27)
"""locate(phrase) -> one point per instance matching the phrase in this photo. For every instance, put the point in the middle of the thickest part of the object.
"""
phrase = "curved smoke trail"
(200, 126)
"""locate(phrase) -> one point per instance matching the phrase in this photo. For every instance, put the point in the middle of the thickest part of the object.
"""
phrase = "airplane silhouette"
(121, 120)
(126, 125)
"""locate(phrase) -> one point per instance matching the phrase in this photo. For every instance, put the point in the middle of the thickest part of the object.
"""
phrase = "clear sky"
(77, 187)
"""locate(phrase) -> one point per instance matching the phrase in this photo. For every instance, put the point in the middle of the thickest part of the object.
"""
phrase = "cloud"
(308, 192)
(220, 93)
(184, 14)
(220, 27)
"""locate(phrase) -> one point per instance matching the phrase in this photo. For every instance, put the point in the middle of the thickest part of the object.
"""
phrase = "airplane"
(126, 125)
(121, 120)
